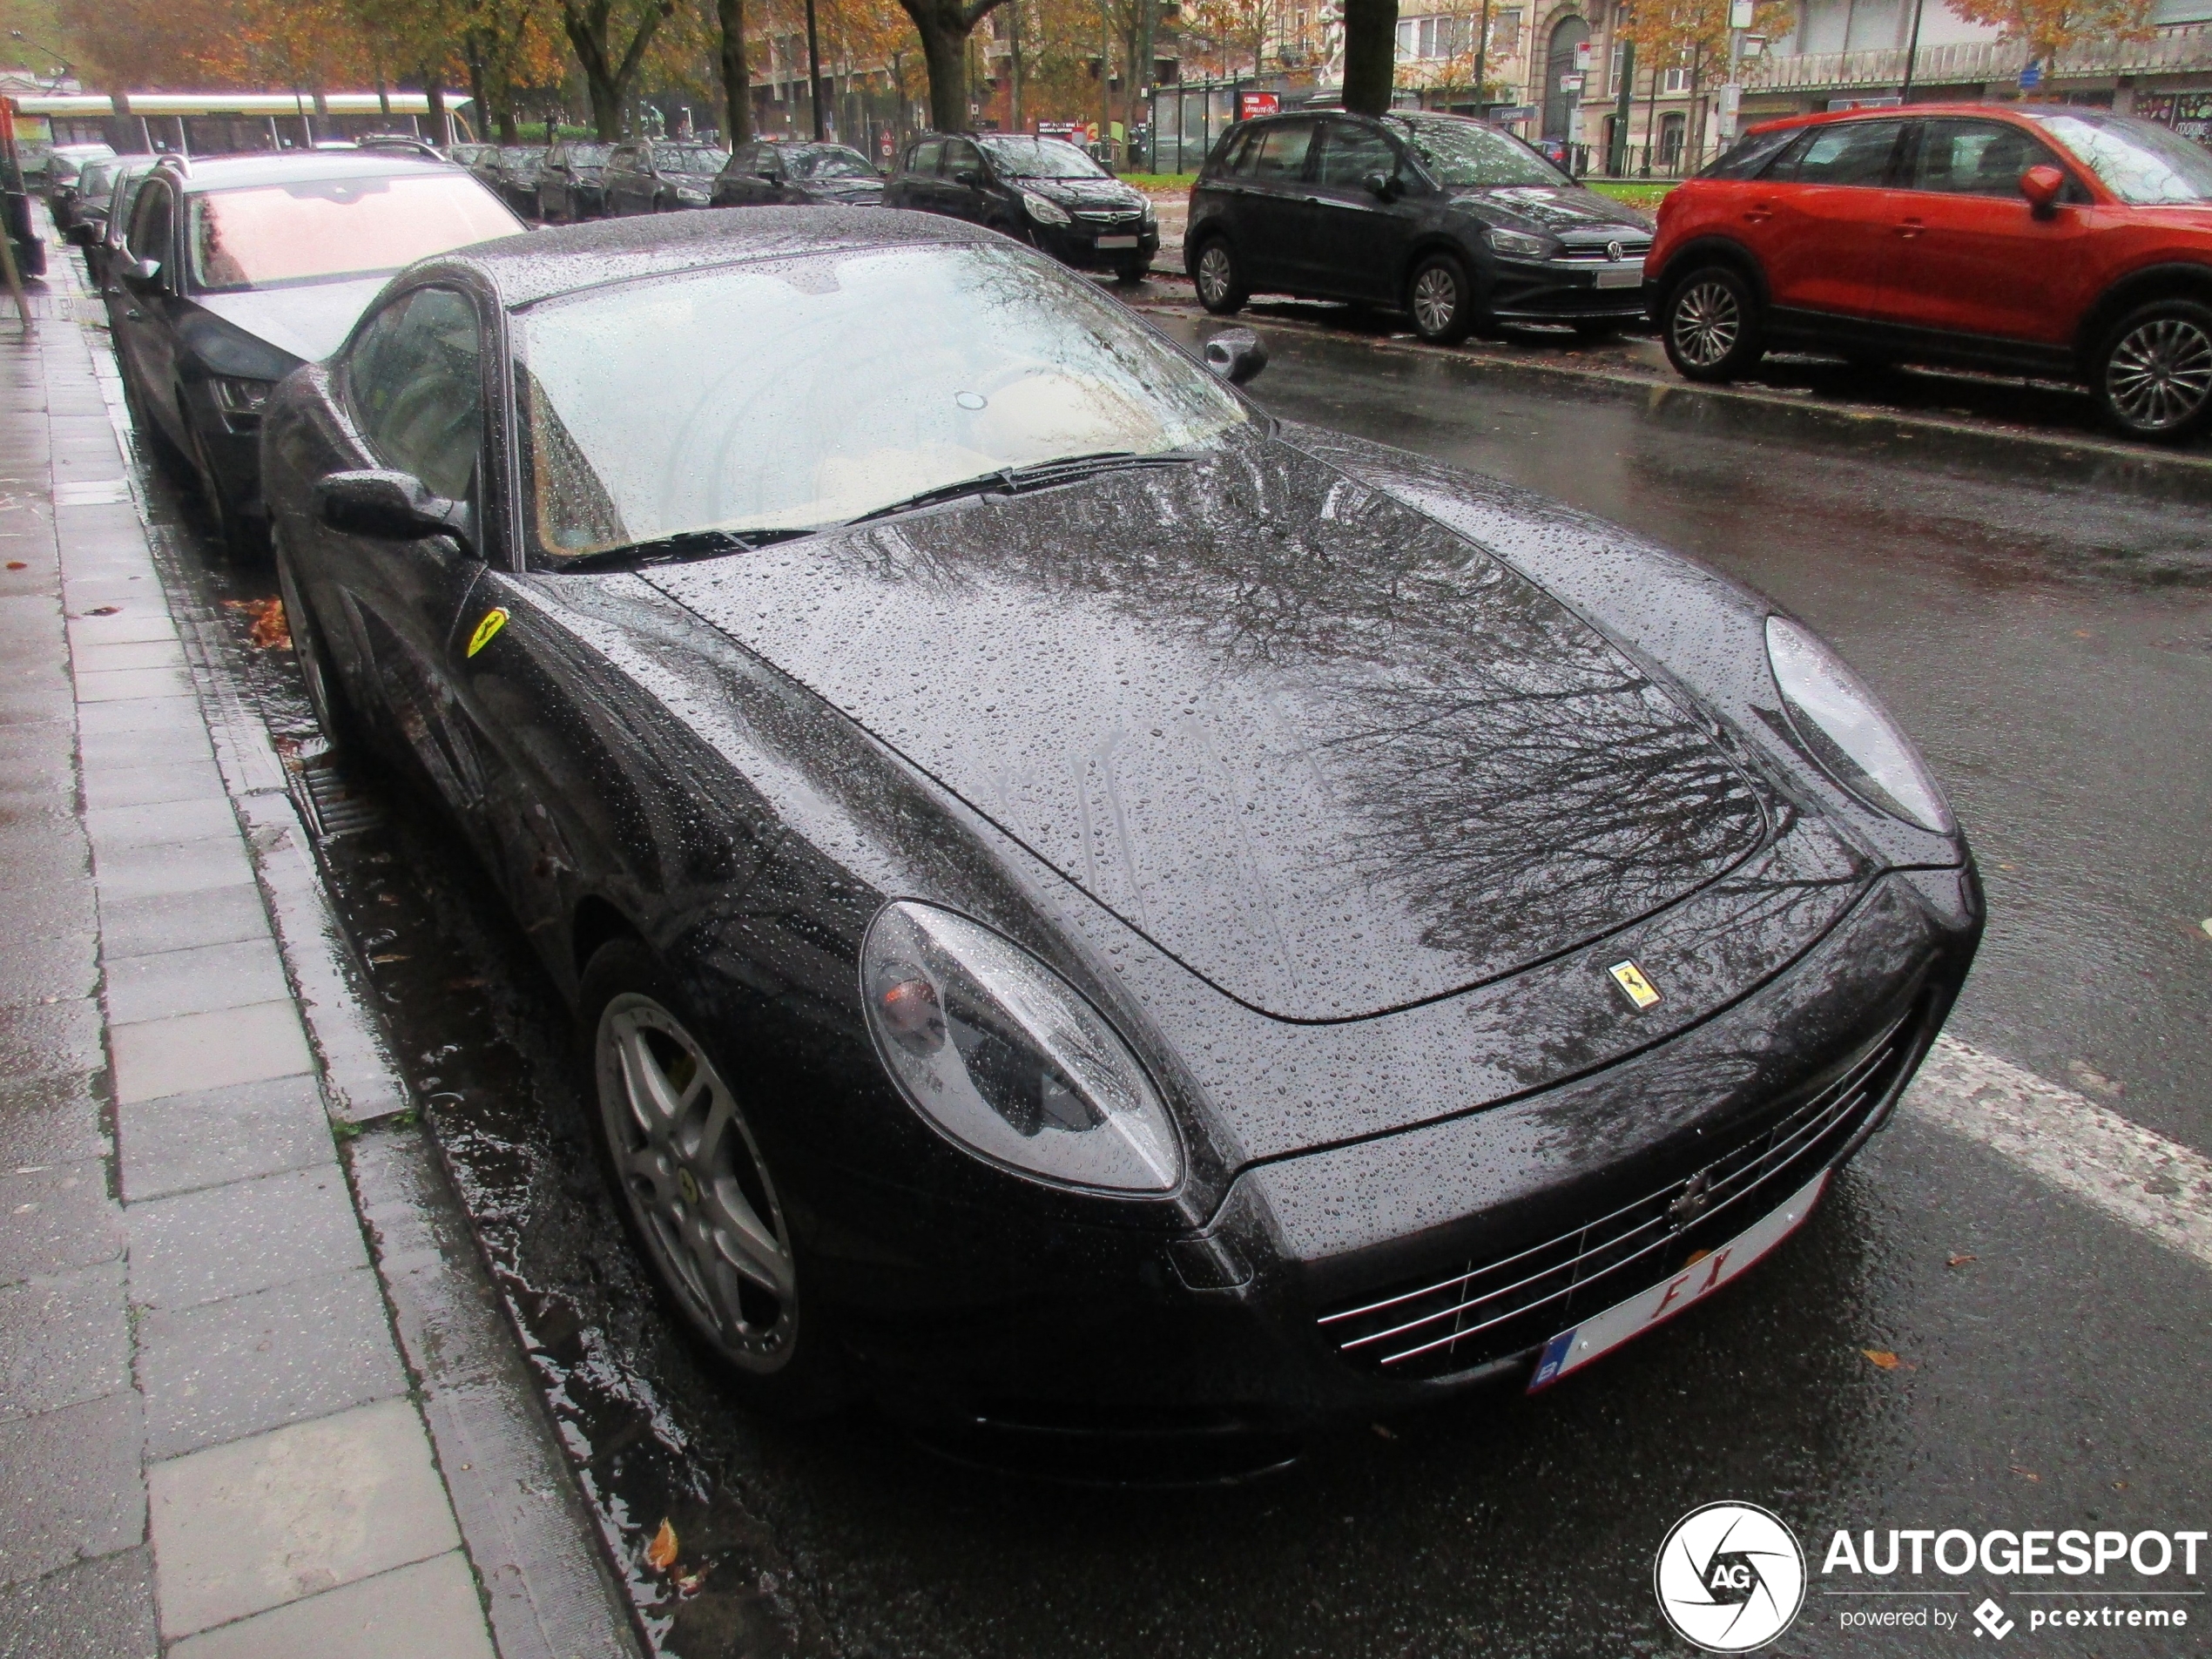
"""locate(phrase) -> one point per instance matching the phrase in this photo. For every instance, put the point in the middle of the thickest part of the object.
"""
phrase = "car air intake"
(1488, 1309)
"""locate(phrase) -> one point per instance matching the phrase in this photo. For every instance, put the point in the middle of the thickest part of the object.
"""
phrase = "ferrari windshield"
(1040, 158)
(791, 393)
(1468, 154)
(2143, 164)
(318, 230)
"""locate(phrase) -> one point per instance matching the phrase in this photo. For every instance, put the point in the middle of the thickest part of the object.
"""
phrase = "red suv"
(2044, 240)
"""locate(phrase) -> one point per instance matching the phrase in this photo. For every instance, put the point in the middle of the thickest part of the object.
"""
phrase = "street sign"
(1250, 104)
(1582, 55)
(1514, 113)
(1570, 82)
(2031, 77)
(1731, 101)
(1739, 14)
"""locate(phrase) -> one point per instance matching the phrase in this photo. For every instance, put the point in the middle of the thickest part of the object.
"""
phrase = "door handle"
(1758, 212)
(134, 316)
(1911, 228)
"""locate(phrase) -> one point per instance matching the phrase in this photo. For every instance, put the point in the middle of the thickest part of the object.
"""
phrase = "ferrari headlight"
(1044, 209)
(1520, 245)
(1008, 1058)
(1838, 719)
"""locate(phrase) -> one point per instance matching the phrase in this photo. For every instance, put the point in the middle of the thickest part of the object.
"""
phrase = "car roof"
(523, 269)
(1890, 111)
(228, 172)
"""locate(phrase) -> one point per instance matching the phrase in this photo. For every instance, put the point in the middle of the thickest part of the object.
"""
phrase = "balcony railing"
(1979, 62)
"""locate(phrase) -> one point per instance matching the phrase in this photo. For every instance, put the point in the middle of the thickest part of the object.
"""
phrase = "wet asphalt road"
(2048, 640)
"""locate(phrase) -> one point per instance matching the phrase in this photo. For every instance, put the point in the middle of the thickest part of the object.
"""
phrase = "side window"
(1236, 152)
(415, 377)
(1281, 153)
(1752, 154)
(1976, 157)
(1349, 153)
(924, 157)
(744, 159)
(625, 158)
(1852, 152)
(152, 228)
(960, 153)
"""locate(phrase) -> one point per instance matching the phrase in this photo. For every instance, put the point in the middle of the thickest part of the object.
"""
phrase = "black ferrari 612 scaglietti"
(1086, 903)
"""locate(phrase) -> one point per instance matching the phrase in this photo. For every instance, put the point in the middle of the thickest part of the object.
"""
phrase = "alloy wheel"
(693, 1176)
(1216, 275)
(1436, 299)
(2160, 373)
(1708, 322)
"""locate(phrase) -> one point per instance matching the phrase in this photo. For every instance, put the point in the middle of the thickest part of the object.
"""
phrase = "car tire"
(694, 1191)
(240, 539)
(2153, 371)
(326, 696)
(1220, 275)
(1711, 324)
(167, 458)
(1439, 298)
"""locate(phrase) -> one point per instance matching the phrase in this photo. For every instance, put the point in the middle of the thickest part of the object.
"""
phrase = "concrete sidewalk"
(210, 1440)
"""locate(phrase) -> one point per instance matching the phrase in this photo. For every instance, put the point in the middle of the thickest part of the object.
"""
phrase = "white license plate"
(1626, 274)
(1117, 241)
(1602, 1333)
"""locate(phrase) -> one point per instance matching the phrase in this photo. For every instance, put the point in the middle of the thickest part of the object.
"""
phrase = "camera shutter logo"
(1730, 1577)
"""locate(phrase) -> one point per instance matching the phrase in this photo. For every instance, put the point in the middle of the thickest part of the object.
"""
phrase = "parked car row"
(2043, 239)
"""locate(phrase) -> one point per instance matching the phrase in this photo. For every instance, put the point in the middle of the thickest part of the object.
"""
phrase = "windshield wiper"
(679, 548)
(1042, 475)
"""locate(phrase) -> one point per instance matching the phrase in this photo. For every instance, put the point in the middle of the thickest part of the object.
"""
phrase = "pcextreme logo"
(1729, 1577)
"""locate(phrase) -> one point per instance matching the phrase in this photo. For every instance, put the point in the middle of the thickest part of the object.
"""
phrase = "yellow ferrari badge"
(1638, 989)
(495, 619)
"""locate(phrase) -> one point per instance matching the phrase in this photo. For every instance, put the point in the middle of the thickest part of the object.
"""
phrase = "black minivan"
(1043, 191)
(1450, 219)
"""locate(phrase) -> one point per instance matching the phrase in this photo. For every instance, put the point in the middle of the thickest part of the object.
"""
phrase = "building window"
(1673, 81)
(1672, 127)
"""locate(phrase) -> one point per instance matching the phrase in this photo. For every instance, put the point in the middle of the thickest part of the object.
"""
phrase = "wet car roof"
(235, 171)
(521, 270)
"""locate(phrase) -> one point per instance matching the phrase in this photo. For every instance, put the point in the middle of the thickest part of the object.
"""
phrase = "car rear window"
(318, 230)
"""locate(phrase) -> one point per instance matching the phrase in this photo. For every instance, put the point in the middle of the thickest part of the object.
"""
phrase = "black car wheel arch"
(1220, 277)
(326, 696)
(694, 1188)
(1439, 298)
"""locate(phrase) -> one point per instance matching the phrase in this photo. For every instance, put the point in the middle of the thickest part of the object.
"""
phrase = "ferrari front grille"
(1488, 1309)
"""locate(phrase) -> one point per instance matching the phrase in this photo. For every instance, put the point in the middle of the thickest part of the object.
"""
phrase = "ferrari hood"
(1326, 753)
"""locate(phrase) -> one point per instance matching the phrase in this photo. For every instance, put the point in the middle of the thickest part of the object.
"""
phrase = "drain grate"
(332, 803)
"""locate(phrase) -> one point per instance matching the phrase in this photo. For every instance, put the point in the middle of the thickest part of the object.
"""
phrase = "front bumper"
(1263, 1320)
(1561, 291)
(1078, 245)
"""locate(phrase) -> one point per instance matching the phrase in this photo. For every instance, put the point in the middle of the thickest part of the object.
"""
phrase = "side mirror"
(1380, 185)
(390, 506)
(969, 176)
(2041, 185)
(140, 276)
(1236, 354)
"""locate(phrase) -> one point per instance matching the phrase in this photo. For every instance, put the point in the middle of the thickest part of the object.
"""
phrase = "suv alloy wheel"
(1221, 283)
(1712, 325)
(2154, 375)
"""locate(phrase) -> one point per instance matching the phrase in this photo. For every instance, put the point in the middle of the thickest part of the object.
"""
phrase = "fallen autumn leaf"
(660, 1554)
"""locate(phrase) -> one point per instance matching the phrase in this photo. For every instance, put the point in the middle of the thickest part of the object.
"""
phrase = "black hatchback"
(1040, 190)
(572, 182)
(1449, 219)
(770, 174)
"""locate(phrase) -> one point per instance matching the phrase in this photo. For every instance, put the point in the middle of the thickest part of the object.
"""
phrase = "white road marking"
(2153, 1184)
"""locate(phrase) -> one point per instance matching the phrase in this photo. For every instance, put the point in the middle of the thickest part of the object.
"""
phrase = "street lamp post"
(1911, 52)
(814, 73)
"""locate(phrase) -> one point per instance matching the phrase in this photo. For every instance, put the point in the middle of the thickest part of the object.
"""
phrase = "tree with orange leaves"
(2051, 27)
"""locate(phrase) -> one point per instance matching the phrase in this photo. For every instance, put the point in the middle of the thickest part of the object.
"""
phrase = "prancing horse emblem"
(1694, 1200)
